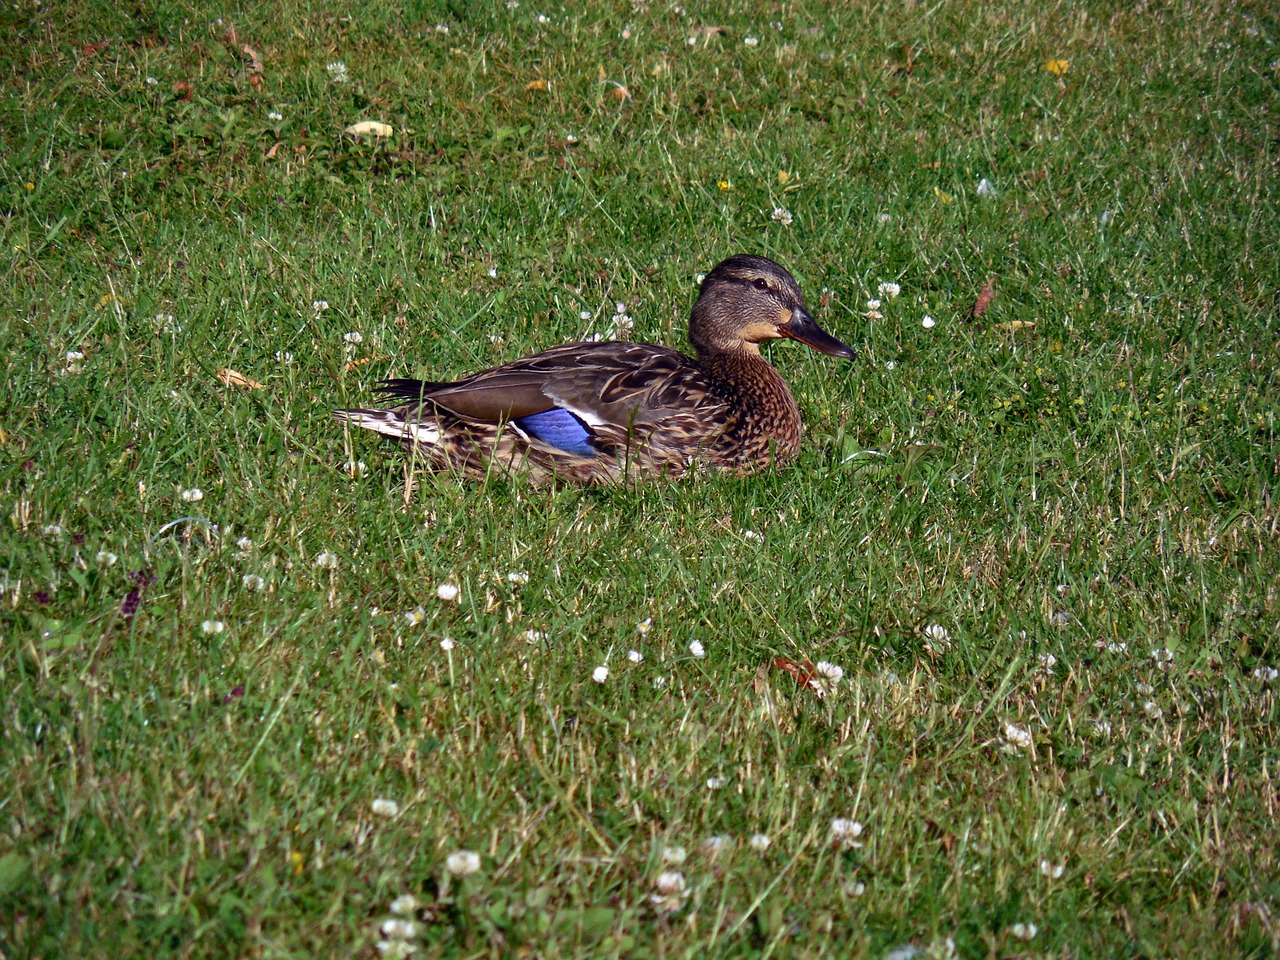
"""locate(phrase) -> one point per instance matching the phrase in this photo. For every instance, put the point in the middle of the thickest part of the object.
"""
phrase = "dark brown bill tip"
(803, 328)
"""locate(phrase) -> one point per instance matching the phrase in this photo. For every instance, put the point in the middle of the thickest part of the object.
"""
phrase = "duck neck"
(751, 383)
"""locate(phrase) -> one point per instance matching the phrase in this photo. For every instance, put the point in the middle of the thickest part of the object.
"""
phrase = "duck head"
(746, 300)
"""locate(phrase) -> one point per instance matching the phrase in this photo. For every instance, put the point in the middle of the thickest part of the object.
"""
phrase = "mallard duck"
(603, 412)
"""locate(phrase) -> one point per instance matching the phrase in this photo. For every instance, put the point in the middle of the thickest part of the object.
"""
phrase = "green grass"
(1092, 489)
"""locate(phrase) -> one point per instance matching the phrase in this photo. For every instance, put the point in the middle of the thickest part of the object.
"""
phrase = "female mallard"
(602, 412)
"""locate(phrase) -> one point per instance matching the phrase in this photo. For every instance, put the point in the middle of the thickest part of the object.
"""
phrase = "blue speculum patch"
(560, 429)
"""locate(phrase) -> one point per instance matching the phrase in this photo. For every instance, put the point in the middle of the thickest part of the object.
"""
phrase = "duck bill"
(803, 328)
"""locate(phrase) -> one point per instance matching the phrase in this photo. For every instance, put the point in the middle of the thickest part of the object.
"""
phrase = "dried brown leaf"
(985, 297)
(233, 378)
(255, 59)
(372, 127)
(537, 85)
(803, 672)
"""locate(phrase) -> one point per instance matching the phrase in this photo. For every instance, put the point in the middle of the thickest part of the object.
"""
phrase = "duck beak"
(802, 327)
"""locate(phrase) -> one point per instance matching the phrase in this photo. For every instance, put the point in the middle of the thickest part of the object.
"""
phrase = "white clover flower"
(535, 636)
(644, 626)
(284, 356)
(1265, 674)
(327, 560)
(1163, 657)
(106, 558)
(755, 535)
(716, 783)
(692, 41)
(759, 842)
(194, 495)
(936, 637)
(397, 928)
(1047, 661)
(888, 289)
(826, 677)
(891, 365)
(251, 581)
(928, 322)
(715, 845)
(448, 592)
(447, 644)
(212, 627)
(985, 189)
(396, 949)
(674, 855)
(382, 807)
(873, 304)
(74, 356)
(1104, 219)
(319, 306)
(152, 81)
(275, 115)
(442, 28)
(600, 674)
(355, 468)
(462, 863)
(245, 544)
(782, 216)
(670, 892)
(659, 683)
(354, 336)
(405, 904)
(493, 272)
(855, 888)
(415, 617)
(337, 71)
(1017, 736)
(1102, 727)
(696, 649)
(1144, 689)
(885, 217)
(584, 314)
(751, 41)
(845, 832)
(518, 577)
(543, 19)
(1152, 710)
(1024, 931)
(635, 656)
(1051, 870)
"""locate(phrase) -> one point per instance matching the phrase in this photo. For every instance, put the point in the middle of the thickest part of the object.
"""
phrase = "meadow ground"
(1038, 531)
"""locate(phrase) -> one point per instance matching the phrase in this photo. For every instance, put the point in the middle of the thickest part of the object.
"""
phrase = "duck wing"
(584, 398)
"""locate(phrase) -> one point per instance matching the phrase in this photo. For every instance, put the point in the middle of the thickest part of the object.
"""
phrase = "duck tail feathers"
(392, 423)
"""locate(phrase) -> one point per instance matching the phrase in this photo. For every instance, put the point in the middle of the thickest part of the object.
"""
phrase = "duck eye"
(762, 284)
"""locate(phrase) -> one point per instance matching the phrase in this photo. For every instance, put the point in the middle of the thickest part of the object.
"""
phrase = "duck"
(611, 412)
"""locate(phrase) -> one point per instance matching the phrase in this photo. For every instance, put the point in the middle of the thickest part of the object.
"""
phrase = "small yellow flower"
(783, 176)
(298, 862)
(723, 184)
(1057, 67)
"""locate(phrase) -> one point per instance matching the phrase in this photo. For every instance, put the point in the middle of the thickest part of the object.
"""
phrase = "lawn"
(264, 690)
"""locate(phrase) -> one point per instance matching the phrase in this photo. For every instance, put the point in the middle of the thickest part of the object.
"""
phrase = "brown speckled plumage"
(604, 412)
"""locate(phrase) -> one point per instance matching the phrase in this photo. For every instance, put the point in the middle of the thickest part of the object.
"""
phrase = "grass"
(1064, 500)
